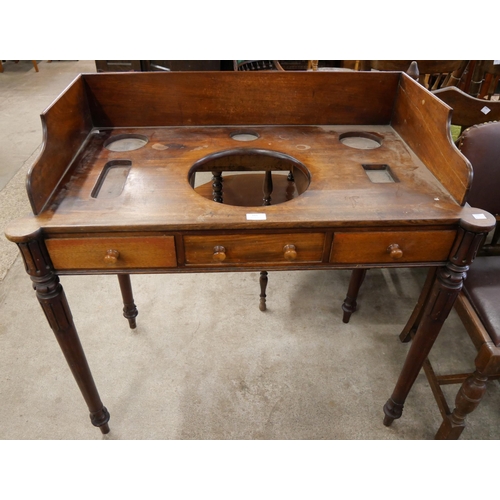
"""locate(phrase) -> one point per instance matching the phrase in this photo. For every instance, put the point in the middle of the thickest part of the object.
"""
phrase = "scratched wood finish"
(340, 193)
(172, 101)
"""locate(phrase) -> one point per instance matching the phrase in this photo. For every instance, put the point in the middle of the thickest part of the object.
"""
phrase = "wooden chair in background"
(485, 79)
(478, 303)
(467, 111)
(431, 74)
(257, 65)
(289, 65)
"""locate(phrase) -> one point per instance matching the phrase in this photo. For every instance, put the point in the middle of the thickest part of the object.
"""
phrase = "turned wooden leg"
(129, 308)
(263, 285)
(217, 187)
(349, 305)
(441, 300)
(416, 316)
(267, 188)
(445, 289)
(52, 298)
(468, 398)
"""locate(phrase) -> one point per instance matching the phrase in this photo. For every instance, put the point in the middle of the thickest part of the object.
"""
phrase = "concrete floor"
(204, 362)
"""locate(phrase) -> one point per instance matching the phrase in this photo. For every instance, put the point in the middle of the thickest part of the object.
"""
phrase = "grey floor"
(204, 362)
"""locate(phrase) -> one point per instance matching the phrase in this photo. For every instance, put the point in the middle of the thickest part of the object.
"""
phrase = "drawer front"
(259, 248)
(112, 253)
(391, 247)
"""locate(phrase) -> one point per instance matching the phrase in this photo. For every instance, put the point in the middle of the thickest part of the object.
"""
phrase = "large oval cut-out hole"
(249, 177)
(126, 142)
(360, 140)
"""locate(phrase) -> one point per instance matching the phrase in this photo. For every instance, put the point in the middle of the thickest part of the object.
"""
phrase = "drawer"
(391, 247)
(112, 253)
(258, 248)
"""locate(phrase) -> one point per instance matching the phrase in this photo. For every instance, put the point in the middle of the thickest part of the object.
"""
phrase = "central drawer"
(254, 249)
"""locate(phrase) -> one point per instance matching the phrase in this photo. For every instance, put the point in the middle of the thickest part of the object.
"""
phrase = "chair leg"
(129, 308)
(468, 398)
(263, 285)
(349, 305)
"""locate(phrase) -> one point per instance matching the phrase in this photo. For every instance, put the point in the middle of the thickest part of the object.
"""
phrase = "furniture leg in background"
(349, 305)
(129, 308)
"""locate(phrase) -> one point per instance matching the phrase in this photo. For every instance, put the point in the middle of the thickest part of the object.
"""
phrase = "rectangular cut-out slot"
(380, 173)
(112, 179)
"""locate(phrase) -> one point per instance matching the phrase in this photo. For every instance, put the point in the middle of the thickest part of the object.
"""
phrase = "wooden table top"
(157, 192)
(180, 116)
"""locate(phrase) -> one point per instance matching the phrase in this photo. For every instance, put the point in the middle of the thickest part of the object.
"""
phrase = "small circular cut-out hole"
(244, 136)
(126, 142)
(360, 140)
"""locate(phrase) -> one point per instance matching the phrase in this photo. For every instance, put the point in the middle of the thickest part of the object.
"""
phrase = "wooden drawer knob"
(219, 253)
(111, 256)
(394, 251)
(290, 252)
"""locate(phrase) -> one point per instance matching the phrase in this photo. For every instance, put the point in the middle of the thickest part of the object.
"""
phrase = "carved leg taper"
(52, 298)
(438, 304)
(441, 300)
(349, 305)
(129, 308)
(263, 285)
